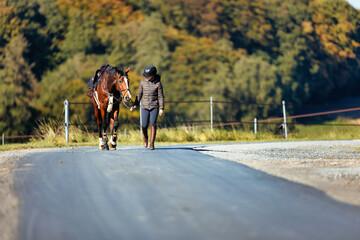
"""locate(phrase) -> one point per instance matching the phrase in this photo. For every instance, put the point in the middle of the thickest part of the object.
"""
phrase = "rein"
(121, 97)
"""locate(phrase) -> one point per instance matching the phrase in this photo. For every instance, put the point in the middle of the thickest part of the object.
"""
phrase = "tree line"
(254, 51)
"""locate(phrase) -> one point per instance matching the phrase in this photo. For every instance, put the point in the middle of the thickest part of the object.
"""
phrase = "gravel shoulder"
(330, 166)
(9, 200)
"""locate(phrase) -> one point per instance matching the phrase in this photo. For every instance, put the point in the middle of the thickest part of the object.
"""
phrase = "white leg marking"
(112, 141)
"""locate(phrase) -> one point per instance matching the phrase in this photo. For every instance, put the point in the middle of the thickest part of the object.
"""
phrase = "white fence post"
(255, 126)
(3, 139)
(66, 103)
(284, 113)
(211, 113)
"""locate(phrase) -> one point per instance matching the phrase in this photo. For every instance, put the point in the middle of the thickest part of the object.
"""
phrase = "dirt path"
(331, 166)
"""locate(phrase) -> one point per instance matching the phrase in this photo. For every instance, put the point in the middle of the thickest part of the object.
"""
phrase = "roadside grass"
(339, 129)
(54, 136)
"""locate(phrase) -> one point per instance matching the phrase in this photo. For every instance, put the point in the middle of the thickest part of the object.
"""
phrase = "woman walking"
(151, 94)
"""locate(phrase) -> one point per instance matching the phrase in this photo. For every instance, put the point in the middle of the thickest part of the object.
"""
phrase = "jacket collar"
(155, 79)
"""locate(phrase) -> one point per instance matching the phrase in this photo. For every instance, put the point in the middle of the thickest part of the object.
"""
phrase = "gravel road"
(331, 166)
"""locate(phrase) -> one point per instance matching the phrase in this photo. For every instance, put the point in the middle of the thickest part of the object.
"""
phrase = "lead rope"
(120, 100)
(127, 105)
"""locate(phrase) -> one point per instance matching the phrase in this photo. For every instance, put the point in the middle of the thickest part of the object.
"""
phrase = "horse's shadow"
(174, 148)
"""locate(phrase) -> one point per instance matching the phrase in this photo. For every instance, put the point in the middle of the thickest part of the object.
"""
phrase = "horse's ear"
(127, 70)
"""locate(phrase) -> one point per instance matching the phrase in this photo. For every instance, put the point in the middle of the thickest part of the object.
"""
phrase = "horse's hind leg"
(99, 123)
(104, 127)
(114, 124)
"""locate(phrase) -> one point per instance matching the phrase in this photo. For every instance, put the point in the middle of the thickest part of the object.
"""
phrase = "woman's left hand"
(161, 112)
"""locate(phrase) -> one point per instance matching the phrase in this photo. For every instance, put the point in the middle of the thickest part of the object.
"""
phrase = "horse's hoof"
(112, 147)
(104, 147)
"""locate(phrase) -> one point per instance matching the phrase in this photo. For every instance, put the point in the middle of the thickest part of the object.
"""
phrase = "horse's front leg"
(114, 124)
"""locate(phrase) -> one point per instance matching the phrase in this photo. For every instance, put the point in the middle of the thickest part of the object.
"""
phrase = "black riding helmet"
(150, 71)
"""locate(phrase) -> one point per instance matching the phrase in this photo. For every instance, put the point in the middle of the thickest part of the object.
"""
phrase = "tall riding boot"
(145, 134)
(152, 137)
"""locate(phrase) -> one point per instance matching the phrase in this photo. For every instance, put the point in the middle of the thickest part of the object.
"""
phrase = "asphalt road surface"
(173, 192)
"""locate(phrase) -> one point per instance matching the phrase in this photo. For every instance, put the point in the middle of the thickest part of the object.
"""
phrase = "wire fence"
(173, 123)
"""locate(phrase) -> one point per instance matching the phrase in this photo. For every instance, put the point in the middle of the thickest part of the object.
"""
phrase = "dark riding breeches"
(145, 114)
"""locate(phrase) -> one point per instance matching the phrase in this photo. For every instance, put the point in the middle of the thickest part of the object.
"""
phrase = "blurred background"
(249, 55)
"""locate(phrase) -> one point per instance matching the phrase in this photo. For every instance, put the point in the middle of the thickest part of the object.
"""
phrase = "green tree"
(80, 35)
(119, 41)
(54, 30)
(336, 28)
(248, 24)
(34, 30)
(151, 45)
(255, 82)
(18, 89)
(10, 24)
(196, 66)
(293, 49)
(68, 81)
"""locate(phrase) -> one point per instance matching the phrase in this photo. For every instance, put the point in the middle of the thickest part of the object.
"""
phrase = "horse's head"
(123, 83)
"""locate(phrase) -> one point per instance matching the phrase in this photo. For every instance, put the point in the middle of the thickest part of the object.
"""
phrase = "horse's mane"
(113, 70)
(122, 72)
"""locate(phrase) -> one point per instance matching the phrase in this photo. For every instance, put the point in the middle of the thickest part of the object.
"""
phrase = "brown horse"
(111, 89)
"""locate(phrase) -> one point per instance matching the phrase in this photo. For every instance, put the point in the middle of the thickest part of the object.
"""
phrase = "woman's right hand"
(132, 108)
(161, 112)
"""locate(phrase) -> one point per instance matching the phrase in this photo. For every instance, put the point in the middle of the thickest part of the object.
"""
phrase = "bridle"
(122, 94)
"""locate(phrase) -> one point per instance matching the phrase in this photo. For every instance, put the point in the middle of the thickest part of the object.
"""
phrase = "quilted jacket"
(150, 93)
